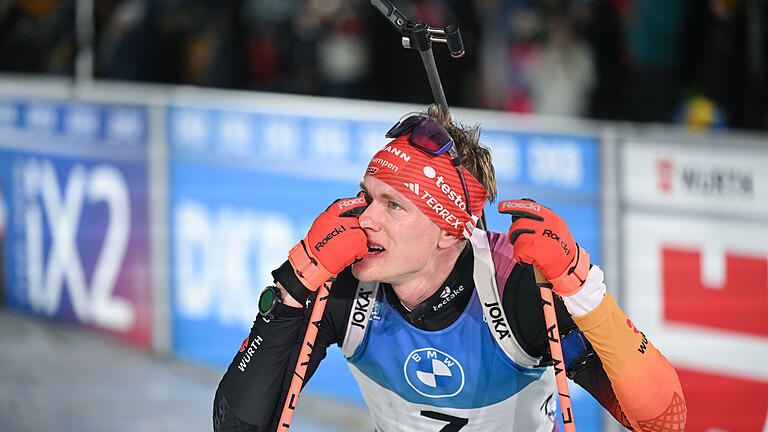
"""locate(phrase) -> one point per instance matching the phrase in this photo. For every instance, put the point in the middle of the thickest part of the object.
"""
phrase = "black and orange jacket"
(603, 351)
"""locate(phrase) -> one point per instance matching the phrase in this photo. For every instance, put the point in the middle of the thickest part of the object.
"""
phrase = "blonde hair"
(475, 157)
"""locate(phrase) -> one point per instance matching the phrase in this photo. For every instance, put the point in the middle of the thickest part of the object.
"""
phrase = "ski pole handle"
(301, 364)
(555, 348)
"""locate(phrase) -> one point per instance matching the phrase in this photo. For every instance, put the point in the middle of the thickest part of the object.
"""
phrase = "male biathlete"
(441, 322)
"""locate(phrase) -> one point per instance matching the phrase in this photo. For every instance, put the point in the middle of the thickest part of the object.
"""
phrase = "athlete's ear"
(446, 240)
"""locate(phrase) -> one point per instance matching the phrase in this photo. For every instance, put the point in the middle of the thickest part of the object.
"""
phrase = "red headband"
(430, 182)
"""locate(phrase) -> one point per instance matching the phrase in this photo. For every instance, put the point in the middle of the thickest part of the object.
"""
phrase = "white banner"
(729, 180)
(699, 290)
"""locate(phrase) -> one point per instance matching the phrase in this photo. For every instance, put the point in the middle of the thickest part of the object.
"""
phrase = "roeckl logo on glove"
(332, 234)
(550, 234)
(526, 205)
(351, 202)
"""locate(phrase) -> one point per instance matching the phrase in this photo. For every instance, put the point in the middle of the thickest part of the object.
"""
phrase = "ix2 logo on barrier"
(70, 227)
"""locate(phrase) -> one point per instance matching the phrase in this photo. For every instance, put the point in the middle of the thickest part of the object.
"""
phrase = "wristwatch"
(270, 301)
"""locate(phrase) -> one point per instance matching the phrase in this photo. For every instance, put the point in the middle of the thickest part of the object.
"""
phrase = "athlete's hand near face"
(334, 241)
(542, 238)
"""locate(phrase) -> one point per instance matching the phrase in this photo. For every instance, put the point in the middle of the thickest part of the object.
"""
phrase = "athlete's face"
(402, 241)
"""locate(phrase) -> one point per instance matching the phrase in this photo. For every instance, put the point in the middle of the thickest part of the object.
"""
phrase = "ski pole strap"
(572, 280)
(556, 350)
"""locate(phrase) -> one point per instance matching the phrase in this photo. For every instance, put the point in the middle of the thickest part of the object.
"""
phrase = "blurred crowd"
(698, 62)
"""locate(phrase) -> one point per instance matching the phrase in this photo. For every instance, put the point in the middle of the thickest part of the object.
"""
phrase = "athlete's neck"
(412, 292)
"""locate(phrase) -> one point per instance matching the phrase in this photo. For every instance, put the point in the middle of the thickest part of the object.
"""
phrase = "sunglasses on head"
(430, 136)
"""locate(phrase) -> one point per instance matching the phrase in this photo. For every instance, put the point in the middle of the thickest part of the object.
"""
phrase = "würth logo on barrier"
(713, 181)
(433, 373)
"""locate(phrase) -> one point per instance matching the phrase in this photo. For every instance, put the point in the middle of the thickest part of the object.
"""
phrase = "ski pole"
(300, 371)
(556, 350)
(419, 36)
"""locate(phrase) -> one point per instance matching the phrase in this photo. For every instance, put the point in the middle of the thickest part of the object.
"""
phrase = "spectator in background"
(332, 56)
(509, 32)
(645, 53)
(562, 74)
(602, 24)
(121, 48)
(37, 36)
(655, 48)
(343, 54)
(726, 57)
(267, 24)
(699, 113)
(171, 41)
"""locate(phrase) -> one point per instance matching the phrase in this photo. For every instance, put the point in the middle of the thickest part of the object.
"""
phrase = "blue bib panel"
(460, 378)
(461, 366)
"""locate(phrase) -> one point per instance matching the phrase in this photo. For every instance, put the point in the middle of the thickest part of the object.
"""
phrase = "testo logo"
(444, 187)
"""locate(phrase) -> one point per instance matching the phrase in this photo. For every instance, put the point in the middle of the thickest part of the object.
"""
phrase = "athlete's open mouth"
(374, 249)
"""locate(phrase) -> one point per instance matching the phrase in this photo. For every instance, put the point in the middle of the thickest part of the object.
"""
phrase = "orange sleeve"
(645, 383)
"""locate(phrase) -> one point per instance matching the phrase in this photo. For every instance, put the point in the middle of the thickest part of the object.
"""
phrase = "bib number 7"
(454, 423)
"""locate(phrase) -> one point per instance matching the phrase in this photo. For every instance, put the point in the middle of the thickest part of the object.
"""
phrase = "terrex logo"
(528, 205)
(332, 234)
(444, 187)
(351, 202)
(439, 209)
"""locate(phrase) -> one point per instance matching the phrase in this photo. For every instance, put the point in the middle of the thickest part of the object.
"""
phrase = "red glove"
(334, 241)
(542, 238)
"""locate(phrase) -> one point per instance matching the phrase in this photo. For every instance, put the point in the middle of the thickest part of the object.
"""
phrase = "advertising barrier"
(246, 184)
(695, 250)
(73, 182)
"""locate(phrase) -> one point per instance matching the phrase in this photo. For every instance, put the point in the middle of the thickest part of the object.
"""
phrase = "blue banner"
(73, 183)
(245, 187)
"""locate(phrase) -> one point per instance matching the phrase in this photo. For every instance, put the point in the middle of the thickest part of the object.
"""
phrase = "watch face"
(266, 300)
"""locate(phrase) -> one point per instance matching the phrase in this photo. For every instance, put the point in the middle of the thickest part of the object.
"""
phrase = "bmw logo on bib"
(433, 373)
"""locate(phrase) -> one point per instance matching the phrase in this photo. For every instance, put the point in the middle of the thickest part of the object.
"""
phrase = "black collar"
(443, 307)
